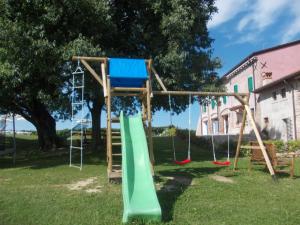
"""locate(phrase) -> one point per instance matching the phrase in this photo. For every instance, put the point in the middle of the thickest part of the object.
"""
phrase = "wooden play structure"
(278, 160)
(117, 81)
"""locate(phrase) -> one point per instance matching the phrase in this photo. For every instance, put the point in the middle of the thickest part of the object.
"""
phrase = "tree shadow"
(177, 181)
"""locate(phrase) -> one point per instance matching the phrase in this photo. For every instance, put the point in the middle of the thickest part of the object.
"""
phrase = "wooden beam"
(149, 117)
(260, 142)
(198, 93)
(108, 131)
(238, 147)
(250, 147)
(92, 71)
(90, 59)
(158, 79)
(128, 89)
(124, 94)
(103, 72)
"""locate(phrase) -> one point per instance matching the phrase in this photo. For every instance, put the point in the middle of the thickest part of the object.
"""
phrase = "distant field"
(43, 190)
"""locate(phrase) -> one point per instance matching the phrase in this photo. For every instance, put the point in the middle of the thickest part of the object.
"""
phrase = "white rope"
(228, 138)
(189, 146)
(189, 134)
(171, 122)
(213, 146)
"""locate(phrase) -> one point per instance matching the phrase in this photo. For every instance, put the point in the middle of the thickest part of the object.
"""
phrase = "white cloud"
(262, 14)
(227, 10)
(253, 17)
(293, 28)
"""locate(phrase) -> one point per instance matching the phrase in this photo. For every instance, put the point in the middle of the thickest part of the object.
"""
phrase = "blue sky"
(239, 28)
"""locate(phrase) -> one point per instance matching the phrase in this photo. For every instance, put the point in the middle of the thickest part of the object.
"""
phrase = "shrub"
(293, 145)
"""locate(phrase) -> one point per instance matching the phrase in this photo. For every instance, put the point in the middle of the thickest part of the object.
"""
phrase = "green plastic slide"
(139, 196)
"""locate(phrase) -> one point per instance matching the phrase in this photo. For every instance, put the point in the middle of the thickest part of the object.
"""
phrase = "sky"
(239, 28)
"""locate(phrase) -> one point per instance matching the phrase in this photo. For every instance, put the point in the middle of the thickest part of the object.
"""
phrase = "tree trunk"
(95, 109)
(96, 127)
(44, 123)
(46, 130)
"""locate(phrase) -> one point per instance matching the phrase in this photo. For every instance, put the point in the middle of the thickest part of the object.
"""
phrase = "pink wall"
(280, 62)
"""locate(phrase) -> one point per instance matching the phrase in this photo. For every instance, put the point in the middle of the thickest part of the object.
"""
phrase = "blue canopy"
(127, 72)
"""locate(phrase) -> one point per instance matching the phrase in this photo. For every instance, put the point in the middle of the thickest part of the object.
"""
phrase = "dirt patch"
(174, 183)
(221, 179)
(87, 185)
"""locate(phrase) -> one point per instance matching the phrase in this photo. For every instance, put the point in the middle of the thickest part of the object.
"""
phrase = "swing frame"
(146, 93)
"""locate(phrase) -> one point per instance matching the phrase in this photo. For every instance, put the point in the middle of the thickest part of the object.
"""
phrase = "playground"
(43, 189)
(167, 179)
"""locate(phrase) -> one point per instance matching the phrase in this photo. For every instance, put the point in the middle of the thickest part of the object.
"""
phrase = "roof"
(261, 52)
(127, 72)
(287, 77)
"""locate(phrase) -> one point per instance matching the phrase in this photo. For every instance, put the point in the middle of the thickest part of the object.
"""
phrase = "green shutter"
(204, 108)
(250, 84)
(224, 100)
(235, 88)
(213, 104)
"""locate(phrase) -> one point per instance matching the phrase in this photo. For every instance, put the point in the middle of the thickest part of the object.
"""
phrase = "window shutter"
(250, 84)
(235, 88)
(224, 100)
(213, 104)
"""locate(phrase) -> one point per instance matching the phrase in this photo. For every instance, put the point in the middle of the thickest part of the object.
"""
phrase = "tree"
(38, 37)
(34, 36)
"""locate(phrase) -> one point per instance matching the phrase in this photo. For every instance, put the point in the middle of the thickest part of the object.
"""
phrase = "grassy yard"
(43, 190)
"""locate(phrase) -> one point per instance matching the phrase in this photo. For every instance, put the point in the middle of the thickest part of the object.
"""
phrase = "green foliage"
(170, 131)
(293, 145)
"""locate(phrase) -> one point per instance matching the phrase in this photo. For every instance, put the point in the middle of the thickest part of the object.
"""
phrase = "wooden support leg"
(260, 142)
(292, 167)
(149, 123)
(108, 131)
(238, 147)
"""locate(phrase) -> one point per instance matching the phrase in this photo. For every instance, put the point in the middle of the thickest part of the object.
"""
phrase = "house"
(272, 77)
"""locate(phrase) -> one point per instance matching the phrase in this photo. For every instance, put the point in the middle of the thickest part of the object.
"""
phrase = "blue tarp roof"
(127, 72)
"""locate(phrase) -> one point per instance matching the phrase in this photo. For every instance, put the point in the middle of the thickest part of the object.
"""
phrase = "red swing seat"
(183, 162)
(220, 163)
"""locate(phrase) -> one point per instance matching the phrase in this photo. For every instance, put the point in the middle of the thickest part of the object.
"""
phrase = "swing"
(188, 159)
(216, 162)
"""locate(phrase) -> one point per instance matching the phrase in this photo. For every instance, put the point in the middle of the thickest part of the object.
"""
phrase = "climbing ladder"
(116, 151)
(77, 119)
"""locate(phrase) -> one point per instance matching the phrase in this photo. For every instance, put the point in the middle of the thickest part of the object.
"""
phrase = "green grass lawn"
(38, 190)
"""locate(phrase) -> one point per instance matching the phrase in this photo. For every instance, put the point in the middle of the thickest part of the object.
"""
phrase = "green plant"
(293, 145)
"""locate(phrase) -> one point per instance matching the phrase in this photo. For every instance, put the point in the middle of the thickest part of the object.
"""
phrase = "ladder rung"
(76, 147)
(116, 165)
(116, 144)
(116, 154)
(116, 137)
(75, 87)
(115, 132)
(115, 119)
(77, 103)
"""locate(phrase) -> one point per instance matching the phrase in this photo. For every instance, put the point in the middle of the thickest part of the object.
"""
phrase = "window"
(283, 93)
(250, 84)
(224, 100)
(204, 108)
(213, 104)
(235, 88)
(274, 95)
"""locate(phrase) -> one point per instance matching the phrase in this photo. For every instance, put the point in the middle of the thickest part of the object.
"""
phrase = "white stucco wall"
(276, 111)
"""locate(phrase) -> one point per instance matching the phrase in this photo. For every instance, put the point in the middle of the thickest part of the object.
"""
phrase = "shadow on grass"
(178, 180)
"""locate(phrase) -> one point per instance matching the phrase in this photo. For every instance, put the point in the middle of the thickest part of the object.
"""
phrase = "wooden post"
(238, 147)
(149, 122)
(260, 142)
(103, 72)
(108, 131)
